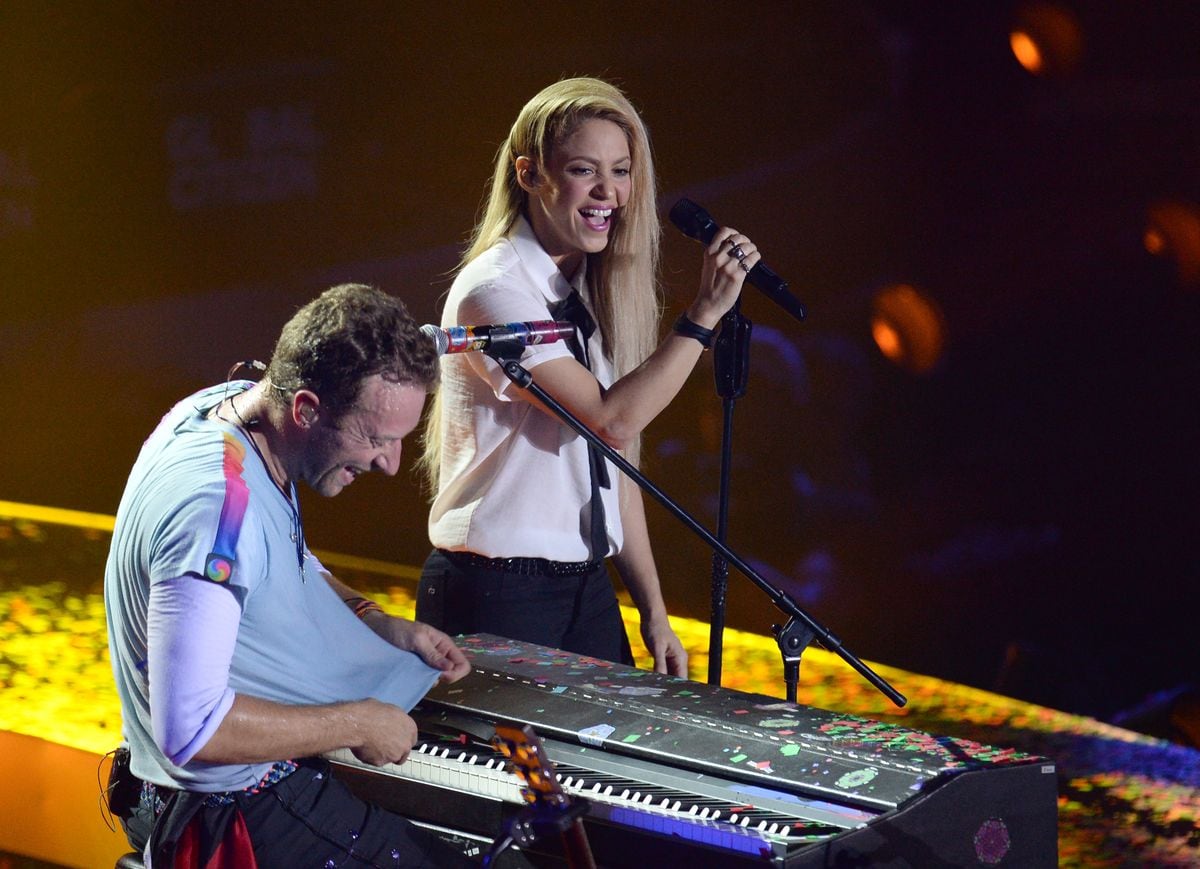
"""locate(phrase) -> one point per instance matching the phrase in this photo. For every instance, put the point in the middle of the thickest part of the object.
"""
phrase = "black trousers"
(311, 819)
(578, 614)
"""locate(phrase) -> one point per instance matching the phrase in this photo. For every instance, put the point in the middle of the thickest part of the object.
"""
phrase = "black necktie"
(573, 310)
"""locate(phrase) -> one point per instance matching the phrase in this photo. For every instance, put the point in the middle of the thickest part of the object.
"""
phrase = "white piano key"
(691, 816)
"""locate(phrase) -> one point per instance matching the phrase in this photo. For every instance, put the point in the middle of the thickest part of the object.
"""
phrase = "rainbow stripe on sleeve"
(219, 564)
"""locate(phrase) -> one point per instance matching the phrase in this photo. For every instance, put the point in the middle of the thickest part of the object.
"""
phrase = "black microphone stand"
(731, 369)
(800, 629)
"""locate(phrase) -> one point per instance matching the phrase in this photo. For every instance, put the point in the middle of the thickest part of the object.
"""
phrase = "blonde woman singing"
(525, 513)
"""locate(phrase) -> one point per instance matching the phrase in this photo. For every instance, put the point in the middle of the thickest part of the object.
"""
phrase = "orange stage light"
(908, 328)
(1173, 230)
(1046, 39)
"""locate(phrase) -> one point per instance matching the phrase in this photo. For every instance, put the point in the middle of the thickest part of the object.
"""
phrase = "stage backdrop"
(175, 182)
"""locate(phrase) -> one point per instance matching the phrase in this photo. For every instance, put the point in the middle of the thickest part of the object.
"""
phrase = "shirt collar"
(546, 276)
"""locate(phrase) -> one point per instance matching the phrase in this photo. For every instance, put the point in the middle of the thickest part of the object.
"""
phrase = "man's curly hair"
(349, 332)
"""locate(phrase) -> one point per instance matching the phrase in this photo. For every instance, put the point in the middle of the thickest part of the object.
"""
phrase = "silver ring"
(745, 267)
(737, 253)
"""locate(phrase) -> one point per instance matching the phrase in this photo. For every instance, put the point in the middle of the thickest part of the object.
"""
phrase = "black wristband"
(684, 326)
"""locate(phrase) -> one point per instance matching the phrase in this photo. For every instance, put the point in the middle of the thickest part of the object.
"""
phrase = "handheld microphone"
(694, 222)
(461, 339)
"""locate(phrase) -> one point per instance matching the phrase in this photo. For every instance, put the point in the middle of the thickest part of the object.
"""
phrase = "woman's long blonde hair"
(624, 276)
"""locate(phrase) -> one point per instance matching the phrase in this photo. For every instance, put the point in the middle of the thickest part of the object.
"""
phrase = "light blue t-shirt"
(200, 501)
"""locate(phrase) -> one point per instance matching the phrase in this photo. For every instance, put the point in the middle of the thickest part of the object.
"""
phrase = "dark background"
(175, 181)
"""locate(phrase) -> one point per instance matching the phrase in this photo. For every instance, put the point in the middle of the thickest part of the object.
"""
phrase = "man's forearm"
(345, 592)
(257, 731)
(261, 731)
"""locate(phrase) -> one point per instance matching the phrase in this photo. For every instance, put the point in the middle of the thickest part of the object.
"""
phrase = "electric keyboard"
(678, 770)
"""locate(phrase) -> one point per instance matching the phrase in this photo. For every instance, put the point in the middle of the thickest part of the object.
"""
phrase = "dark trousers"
(578, 614)
(312, 819)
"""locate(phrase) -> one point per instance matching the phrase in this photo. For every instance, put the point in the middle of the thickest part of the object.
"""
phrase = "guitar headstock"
(549, 810)
(526, 756)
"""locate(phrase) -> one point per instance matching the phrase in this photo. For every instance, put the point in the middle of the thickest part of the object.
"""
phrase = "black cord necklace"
(290, 497)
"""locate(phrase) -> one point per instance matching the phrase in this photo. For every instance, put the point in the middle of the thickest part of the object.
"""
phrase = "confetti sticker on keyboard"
(778, 723)
(596, 734)
(858, 778)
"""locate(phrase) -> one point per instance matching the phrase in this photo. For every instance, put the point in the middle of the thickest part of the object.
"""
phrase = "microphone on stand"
(463, 339)
(694, 222)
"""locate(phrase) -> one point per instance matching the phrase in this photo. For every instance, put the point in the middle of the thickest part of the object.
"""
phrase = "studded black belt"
(521, 566)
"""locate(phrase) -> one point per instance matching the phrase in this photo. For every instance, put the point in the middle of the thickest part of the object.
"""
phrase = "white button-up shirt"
(514, 480)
